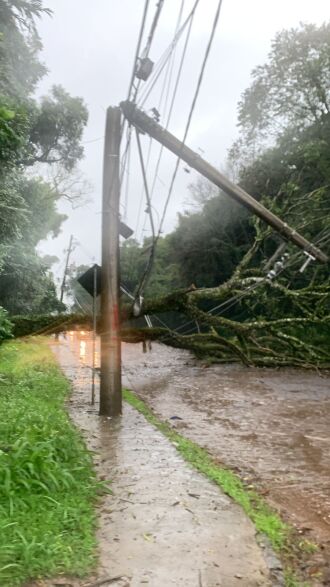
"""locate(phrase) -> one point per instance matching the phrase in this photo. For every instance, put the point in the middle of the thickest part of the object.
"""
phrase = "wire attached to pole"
(192, 108)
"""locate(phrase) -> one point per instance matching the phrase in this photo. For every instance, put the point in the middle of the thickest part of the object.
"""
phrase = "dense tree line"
(282, 157)
(33, 134)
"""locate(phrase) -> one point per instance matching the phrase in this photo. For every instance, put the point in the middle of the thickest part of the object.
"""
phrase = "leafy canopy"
(291, 90)
(32, 133)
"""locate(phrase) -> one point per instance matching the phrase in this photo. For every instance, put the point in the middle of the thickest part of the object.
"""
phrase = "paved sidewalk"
(165, 524)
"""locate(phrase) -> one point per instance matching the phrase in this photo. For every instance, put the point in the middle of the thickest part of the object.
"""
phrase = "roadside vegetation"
(39, 139)
(47, 485)
(215, 266)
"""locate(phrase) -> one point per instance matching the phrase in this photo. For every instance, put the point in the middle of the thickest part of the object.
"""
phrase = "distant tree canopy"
(290, 91)
(32, 133)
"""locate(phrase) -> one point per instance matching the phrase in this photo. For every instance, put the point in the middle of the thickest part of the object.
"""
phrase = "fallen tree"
(291, 325)
(296, 334)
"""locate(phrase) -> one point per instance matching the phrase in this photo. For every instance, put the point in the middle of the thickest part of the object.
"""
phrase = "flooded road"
(271, 426)
(268, 424)
(164, 524)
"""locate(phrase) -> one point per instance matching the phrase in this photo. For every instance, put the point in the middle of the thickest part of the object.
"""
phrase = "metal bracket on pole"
(306, 262)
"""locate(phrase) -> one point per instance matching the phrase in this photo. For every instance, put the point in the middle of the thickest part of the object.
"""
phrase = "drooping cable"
(167, 81)
(192, 108)
(127, 168)
(165, 92)
(172, 102)
(166, 55)
(230, 302)
(130, 88)
(146, 189)
(159, 7)
(147, 48)
(138, 47)
(136, 59)
(149, 264)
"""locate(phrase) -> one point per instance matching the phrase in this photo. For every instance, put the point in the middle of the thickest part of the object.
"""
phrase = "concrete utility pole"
(146, 124)
(94, 330)
(110, 384)
(66, 267)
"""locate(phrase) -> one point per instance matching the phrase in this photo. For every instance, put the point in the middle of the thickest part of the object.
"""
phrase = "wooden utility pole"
(146, 124)
(110, 384)
(66, 267)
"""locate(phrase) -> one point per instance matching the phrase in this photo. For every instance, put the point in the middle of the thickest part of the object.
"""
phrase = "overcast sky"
(89, 49)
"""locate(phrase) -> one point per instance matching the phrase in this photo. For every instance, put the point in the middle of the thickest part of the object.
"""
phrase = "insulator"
(271, 274)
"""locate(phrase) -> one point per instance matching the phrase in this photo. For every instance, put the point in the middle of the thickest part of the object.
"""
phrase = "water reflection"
(81, 344)
(82, 351)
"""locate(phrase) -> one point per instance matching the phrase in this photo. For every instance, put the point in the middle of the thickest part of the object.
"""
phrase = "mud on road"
(270, 425)
(163, 523)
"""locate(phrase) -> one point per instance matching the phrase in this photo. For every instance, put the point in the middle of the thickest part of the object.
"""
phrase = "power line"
(199, 83)
(146, 189)
(166, 55)
(178, 77)
(92, 140)
(147, 48)
(130, 87)
(234, 299)
(144, 55)
(192, 108)
(125, 205)
(147, 270)
(167, 82)
(138, 47)
(161, 107)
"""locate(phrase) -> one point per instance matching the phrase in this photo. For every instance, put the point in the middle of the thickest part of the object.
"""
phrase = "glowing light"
(82, 350)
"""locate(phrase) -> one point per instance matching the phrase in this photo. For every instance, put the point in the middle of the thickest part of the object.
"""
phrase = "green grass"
(47, 485)
(264, 518)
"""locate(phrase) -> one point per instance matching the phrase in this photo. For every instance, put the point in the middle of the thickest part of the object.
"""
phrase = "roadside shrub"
(5, 325)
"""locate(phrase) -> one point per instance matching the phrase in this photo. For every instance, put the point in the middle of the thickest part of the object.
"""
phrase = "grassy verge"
(264, 518)
(47, 485)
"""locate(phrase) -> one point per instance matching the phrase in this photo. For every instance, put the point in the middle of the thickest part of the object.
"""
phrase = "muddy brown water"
(271, 426)
(164, 524)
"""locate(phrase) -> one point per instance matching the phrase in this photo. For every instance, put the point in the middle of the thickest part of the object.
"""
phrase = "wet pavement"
(270, 425)
(164, 524)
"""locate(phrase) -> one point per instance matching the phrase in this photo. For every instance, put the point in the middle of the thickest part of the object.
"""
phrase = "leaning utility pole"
(146, 124)
(66, 268)
(110, 384)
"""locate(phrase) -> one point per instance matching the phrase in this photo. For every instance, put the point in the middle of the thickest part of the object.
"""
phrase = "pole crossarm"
(147, 125)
